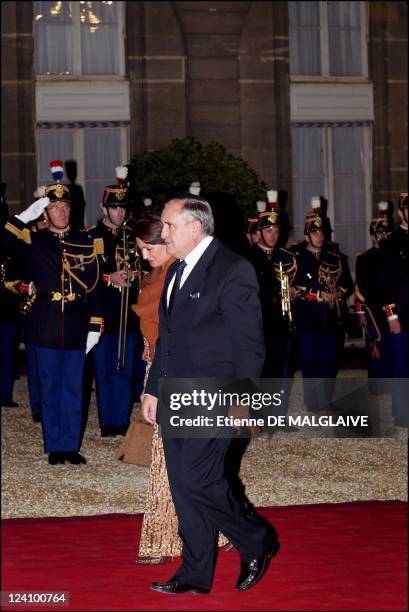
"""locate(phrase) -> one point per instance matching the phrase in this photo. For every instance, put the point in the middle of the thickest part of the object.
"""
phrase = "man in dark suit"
(210, 325)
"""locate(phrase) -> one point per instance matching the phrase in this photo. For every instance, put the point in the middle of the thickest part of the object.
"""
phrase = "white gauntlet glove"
(34, 210)
(92, 339)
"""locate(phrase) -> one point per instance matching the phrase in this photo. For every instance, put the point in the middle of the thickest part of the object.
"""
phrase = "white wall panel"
(331, 102)
(82, 101)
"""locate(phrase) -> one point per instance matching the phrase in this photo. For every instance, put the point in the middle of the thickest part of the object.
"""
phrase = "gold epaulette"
(98, 246)
(22, 234)
(12, 229)
(25, 235)
(88, 228)
(360, 253)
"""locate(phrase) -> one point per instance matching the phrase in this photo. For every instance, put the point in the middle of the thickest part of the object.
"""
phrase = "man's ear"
(197, 228)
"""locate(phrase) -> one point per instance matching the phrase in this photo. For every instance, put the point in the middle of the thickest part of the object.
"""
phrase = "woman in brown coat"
(159, 537)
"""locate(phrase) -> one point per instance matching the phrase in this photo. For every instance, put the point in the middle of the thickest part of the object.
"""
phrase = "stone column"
(388, 68)
(18, 156)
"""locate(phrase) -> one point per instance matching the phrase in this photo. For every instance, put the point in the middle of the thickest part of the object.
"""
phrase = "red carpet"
(332, 557)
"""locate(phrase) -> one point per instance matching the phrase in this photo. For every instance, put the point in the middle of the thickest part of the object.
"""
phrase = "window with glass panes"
(79, 38)
(328, 39)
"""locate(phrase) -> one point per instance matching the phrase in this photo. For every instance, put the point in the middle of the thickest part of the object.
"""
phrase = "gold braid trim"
(81, 246)
(96, 278)
(97, 246)
(85, 260)
(71, 273)
(89, 257)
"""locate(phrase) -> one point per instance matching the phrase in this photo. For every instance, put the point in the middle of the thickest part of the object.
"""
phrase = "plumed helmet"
(117, 195)
(57, 192)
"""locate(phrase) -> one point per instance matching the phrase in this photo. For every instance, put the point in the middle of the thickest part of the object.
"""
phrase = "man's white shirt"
(191, 260)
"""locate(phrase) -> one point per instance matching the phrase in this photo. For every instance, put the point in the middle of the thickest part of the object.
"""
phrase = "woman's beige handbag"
(137, 445)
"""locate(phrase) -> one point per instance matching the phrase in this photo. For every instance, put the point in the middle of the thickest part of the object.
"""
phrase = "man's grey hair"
(197, 209)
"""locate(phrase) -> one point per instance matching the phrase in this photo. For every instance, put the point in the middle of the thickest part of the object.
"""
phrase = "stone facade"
(18, 153)
(388, 65)
(214, 71)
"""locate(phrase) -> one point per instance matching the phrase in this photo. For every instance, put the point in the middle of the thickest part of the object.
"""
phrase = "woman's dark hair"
(149, 229)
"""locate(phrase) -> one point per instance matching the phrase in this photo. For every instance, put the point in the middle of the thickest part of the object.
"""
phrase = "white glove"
(92, 339)
(34, 210)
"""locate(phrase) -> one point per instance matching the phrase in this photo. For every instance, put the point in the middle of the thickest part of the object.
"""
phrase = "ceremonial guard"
(368, 297)
(275, 268)
(114, 357)
(394, 275)
(11, 273)
(347, 283)
(64, 321)
(321, 287)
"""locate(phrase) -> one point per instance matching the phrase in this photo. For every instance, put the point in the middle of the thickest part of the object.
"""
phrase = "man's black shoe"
(174, 587)
(37, 418)
(74, 458)
(9, 404)
(254, 569)
(56, 457)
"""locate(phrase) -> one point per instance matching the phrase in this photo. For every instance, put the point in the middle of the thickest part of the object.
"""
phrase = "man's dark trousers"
(203, 500)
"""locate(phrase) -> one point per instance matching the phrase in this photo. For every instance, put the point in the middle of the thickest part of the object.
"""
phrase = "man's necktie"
(176, 285)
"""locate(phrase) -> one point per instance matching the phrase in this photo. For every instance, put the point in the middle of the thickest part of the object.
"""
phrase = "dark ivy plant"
(169, 171)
